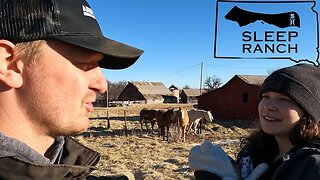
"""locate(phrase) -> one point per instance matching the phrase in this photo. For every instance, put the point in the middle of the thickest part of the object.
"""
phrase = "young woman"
(289, 138)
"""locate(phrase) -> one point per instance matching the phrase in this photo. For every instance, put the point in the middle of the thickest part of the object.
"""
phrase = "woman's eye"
(286, 100)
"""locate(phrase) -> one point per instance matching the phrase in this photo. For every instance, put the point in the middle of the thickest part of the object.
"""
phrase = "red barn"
(237, 99)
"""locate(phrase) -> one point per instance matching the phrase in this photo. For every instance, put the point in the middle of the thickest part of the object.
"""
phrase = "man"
(51, 52)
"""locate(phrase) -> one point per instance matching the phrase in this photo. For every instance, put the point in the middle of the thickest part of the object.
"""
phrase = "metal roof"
(152, 90)
(192, 92)
(253, 79)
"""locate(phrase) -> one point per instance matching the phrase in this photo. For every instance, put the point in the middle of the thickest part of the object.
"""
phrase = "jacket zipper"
(285, 159)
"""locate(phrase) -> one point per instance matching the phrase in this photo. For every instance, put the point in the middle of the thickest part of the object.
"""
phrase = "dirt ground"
(146, 156)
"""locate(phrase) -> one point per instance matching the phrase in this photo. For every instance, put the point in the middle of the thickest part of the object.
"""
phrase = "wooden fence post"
(125, 123)
(108, 120)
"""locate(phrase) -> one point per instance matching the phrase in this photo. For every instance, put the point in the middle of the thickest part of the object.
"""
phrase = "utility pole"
(107, 93)
(201, 74)
(107, 98)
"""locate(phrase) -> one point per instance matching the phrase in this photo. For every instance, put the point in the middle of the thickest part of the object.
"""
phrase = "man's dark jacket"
(76, 162)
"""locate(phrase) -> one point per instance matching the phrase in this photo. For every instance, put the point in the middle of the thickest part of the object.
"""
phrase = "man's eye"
(86, 66)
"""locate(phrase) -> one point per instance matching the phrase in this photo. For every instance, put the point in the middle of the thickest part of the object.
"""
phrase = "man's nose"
(98, 82)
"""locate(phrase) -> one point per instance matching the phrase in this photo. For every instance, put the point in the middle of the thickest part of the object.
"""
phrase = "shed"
(237, 99)
(146, 92)
(190, 95)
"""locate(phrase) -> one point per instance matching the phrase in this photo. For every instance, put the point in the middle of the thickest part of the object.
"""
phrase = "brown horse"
(148, 116)
(164, 120)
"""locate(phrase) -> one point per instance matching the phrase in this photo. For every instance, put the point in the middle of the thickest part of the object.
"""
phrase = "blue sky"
(176, 35)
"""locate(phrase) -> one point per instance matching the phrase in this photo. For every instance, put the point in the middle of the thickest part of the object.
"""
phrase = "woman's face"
(278, 114)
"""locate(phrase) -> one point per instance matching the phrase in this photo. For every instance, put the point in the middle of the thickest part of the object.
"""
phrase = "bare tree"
(113, 92)
(115, 89)
(186, 86)
(211, 83)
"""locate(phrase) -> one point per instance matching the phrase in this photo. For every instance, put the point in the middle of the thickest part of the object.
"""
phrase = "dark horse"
(164, 120)
(148, 116)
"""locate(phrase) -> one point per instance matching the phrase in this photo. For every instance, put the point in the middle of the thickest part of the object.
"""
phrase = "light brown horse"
(183, 120)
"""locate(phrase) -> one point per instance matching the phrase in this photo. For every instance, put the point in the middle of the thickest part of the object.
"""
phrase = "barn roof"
(256, 80)
(152, 90)
(253, 79)
(173, 87)
(191, 92)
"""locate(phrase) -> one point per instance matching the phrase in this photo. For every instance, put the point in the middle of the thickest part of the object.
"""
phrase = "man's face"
(59, 88)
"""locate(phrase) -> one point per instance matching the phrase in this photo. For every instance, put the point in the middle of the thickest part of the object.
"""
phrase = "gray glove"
(211, 157)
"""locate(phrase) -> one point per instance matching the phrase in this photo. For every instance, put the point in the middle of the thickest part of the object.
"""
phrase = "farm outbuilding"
(175, 91)
(190, 95)
(237, 99)
(146, 92)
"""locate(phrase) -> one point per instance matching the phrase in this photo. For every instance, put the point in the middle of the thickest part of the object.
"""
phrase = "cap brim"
(116, 55)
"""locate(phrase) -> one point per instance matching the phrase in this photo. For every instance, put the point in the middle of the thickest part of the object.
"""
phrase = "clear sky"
(176, 35)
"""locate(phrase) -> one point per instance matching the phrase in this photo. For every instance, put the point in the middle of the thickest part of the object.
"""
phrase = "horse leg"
(179, 130)
(195, 126)
(181, 133)
(152, 125)
(146, 124)
(141, 124)
(162, 132)
(168, 132)
(190, 127)
(159, 131)
(184, 133)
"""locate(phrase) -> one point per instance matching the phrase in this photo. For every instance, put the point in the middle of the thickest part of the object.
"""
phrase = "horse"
(147, 116)
(164, 119)
(196, 117)
(183, 121)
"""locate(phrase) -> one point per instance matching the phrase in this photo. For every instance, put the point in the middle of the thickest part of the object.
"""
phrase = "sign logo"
(267, 30)
(281, 20)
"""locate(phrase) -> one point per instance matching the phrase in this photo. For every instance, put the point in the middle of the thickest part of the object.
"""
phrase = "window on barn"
(245, 98)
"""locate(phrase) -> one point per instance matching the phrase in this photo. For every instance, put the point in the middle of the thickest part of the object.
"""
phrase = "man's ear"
(10, 66)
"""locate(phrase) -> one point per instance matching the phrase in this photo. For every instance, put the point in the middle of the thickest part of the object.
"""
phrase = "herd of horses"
(179, 120)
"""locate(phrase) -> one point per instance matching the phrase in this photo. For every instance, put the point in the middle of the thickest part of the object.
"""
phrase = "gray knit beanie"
(301, 83)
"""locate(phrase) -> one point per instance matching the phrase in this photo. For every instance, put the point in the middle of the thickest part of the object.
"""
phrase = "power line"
(230, 67)
(171, 74)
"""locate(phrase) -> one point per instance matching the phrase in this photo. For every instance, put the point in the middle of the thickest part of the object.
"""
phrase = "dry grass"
(146, 156)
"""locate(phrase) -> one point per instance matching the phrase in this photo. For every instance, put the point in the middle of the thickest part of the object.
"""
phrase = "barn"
(237, 99)
(190, 95)
(146, 92)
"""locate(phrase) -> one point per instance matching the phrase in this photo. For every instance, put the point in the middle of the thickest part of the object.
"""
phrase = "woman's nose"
(271, 105)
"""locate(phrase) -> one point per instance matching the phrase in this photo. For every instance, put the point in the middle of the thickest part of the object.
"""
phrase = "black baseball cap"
(70, 21)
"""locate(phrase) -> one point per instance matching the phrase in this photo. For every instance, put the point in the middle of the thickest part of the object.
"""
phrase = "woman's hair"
(263, 147)
(305, 130)
(29, 51)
